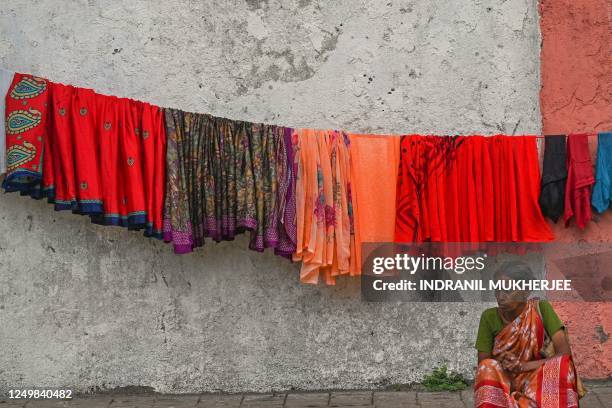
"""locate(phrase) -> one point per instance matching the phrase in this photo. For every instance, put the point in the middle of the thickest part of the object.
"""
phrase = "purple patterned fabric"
(224, 178)
(288, 227)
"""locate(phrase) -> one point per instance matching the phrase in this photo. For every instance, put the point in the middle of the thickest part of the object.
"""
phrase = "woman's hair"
(515, 270)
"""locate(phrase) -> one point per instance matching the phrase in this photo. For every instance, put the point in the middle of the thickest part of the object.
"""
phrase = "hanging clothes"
(132, 149)
(436, 189)
(372, 190)
(325, 230)
(527, 221)
(224, 178)
(343, 215)
(469, 189)
(106, 159)
(153, 136)
(554, 177)
(408, 190)
(580, 180)
(309, 193)
(6, 78)
(427, 204)
(26, 130)
(602, 191)
(287, 228)
(271, 172)
(75, 143)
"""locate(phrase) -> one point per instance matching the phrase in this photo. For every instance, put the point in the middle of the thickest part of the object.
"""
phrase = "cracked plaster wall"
(88, 307)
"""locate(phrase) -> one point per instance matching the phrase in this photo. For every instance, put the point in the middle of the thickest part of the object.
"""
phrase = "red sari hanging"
(106, 158)
(469, 189)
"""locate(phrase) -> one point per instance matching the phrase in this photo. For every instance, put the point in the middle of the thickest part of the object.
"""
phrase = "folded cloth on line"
(107, 158)
(580, 180)
(226, 177)
(554, 177)
(469, 189)
(602, 191)
(26, 134)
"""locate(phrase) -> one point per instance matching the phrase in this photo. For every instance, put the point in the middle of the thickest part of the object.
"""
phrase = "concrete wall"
(576, 69)
(84, 306)
(576, 97)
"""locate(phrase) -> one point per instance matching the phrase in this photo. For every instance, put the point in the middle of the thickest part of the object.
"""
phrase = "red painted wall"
(576, 69)
(576, 65)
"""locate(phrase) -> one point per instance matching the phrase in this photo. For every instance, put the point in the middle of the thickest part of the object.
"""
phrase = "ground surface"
(599, 396)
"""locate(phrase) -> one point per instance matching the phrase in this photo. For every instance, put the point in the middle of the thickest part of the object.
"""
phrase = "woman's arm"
(561, 348)
(559, 340)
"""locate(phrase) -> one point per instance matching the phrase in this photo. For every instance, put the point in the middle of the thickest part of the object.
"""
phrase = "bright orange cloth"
(324, 218)
(374, 167)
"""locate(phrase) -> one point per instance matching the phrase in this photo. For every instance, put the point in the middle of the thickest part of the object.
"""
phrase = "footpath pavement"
(600, 396)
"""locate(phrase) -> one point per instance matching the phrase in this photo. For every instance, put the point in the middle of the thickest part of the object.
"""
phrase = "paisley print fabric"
(553, 385)
(29, 87)
(6, 78)
(21, 154)
(26, 134)
(224, 178)
(21, 121)
(103, 156)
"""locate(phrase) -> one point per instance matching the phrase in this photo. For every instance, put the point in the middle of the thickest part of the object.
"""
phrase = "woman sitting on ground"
(511, 369)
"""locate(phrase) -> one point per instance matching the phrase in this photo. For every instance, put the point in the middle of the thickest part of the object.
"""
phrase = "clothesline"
(589, 134)
(313, 196)
(569, 135)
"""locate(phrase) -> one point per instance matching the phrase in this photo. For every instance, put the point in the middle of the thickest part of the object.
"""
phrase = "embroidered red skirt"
(469, 189)
(107, 158)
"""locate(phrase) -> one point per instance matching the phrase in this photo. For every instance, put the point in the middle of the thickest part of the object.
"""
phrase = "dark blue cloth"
(554, 176)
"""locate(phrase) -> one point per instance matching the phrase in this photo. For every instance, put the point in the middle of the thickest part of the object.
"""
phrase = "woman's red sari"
(551, 385)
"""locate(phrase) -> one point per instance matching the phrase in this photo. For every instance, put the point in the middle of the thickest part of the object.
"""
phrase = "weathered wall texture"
(86, 306)
(576, 67)
(576, 96)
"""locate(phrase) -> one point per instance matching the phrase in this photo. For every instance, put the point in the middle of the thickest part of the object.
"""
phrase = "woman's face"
(509, 299)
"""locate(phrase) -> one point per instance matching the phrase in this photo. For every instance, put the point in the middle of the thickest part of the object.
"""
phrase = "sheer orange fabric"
(324, 215)
(374, 166)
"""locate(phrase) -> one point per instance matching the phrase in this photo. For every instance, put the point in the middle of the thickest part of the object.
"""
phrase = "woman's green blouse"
(491, 324)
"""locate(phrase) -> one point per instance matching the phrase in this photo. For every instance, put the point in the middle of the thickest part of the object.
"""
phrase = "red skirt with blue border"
(93, 154)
